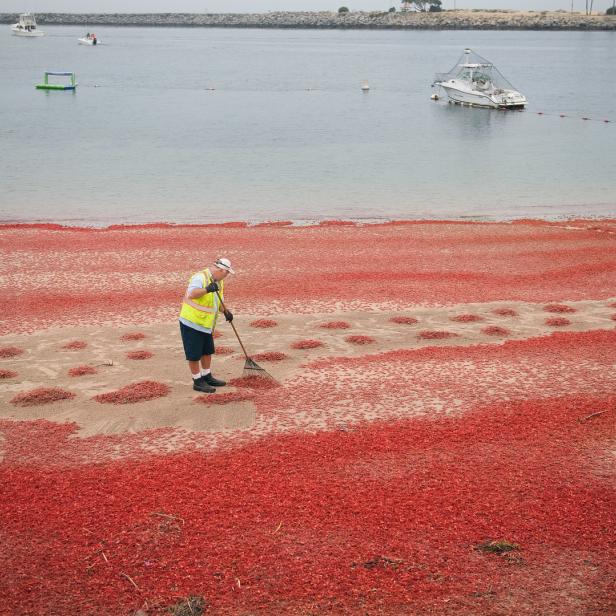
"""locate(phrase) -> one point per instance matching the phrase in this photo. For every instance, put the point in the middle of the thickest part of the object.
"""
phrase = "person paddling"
(198, 316)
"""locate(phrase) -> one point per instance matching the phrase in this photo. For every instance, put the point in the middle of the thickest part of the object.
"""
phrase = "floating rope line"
(571, 117)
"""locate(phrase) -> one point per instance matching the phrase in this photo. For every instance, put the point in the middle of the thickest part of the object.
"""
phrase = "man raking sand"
(202, 303)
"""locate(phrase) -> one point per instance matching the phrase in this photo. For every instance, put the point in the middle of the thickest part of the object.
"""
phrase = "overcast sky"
(259, 6)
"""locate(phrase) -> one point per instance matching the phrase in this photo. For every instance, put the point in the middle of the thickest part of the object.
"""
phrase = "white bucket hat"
(224, 264)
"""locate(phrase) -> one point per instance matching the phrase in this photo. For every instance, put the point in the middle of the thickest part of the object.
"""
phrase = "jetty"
(376, 20)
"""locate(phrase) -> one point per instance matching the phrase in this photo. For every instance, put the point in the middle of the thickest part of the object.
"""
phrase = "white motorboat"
(89, 39)
(477, 82)
(26, 26)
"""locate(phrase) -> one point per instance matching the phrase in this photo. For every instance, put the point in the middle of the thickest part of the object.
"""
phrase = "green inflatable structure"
(57, 86)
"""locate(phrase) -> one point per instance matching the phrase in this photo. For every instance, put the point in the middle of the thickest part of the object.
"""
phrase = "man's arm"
(196, 290)
(196, 293)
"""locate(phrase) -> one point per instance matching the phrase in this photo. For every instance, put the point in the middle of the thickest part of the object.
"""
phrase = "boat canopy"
(27, 19)
(473, 68)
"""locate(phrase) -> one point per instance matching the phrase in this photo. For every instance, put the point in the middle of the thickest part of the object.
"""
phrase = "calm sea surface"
(207, 125)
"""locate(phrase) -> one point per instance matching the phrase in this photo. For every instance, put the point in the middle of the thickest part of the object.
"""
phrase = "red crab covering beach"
(411, 263)
(470, 473)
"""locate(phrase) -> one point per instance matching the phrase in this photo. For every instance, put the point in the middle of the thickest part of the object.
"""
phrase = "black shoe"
(214, 382)
(201, 385)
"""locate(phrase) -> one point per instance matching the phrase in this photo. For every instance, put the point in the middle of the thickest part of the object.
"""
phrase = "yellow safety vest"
(203, 310)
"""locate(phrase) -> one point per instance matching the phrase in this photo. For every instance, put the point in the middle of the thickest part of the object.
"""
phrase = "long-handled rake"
(251, 367)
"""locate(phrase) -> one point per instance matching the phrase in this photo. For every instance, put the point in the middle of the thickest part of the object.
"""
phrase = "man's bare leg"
(194, 368)
(206, 362)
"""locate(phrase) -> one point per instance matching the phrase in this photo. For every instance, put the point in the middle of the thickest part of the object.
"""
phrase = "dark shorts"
(196, 343)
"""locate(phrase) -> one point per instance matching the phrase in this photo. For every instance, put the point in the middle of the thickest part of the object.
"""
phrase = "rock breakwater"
(446, 20)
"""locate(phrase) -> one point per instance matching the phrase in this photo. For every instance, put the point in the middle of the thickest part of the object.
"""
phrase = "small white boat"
(26, 26)
(89, 39)
(477, 82)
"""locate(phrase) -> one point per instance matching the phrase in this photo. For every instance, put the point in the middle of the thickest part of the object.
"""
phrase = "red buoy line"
(571, 117)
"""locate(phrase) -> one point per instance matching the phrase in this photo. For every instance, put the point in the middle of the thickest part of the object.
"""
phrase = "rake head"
(252, 369)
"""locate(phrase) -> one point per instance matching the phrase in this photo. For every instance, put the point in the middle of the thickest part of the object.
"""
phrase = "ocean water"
(211, 125)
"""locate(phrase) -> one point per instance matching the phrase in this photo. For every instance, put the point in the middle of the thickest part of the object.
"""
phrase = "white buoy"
(365, 86)
(435, 97)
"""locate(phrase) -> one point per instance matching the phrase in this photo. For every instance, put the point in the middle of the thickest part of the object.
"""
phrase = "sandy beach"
(440, 436)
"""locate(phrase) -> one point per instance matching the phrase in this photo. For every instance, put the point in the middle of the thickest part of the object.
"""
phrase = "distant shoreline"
(356, 20)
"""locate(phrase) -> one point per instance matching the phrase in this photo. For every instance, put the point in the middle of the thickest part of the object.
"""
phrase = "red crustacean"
(8, 352)
(402, 320)
(135, 392)
(278, 502)
(359, 339)
(486, 274)
(142, 354)
(306, 344)
(253, 382)
(263, 323)
(41, 395)
(435, 334)
(227, 397)
(82, 370)
(368, 482)
(335, 325)
(337, 223)
(274, 223)
(75, 345)
(270, 356)
(505, 312)
(467, 318)
(559, 308)
(132, 337)
(557, 322)
(495, 330)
